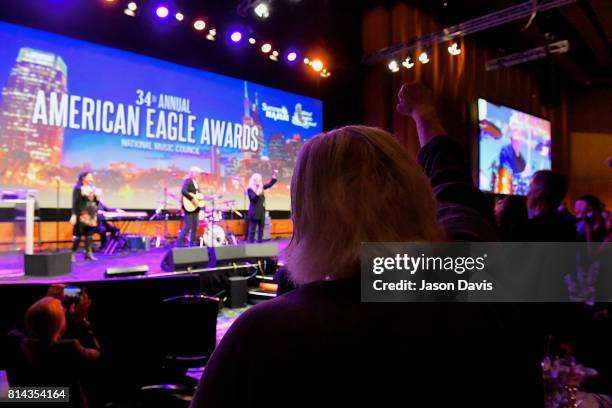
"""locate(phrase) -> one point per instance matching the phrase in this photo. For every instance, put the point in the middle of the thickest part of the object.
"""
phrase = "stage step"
(256, 296)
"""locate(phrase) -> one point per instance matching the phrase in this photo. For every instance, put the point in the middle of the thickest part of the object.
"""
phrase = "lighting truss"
(559, 47)
(507, 15)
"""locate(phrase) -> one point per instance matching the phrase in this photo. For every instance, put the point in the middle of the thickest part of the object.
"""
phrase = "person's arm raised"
(463, 210)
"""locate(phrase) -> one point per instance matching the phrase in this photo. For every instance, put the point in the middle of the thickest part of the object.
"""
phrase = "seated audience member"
(591, 224)
(42, 358)
(546, 224)
(319, 345)
(511, 216)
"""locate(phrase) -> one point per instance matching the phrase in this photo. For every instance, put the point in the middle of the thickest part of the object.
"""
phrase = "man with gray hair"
(191, 206)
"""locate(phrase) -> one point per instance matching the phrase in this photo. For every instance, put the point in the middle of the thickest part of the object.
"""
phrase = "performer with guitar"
(257, 204)
(192, 202)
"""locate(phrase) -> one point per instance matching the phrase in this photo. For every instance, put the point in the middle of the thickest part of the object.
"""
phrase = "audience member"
(511, 216)
(42, 357)
(319, 344)
(591, 224)
(546, 224)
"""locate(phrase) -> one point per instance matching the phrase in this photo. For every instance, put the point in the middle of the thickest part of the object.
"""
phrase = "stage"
(12, 270)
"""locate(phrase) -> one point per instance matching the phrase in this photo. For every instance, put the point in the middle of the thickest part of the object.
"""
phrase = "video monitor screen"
(139, 124)
(513, 146)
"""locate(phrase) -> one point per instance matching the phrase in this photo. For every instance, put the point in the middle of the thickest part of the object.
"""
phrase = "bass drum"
(214, 236)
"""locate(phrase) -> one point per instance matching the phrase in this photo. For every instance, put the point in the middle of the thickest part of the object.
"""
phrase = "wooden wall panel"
(45, 232)
(457, 82)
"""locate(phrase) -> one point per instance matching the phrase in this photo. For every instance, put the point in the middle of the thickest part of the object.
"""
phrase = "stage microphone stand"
(57, 212)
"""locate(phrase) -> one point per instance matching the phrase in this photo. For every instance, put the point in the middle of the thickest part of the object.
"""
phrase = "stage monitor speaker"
(48, 264)
(226, 254)
(182, 259)
(238, 291)
(127, 271)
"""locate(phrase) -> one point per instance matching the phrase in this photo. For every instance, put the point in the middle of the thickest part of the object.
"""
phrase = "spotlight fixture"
(211, 34)
(162, 12)
(407, 63)
(252, 41)
(306, 61)
(236, 36)
(275, 53)
(393, 66)
(325, 73)
(199, 24)
(424, 58)
(129, 12)
(132, 6)
(317, 65)
(262, 10)
(179, 16)
(266, 48)
(454, 49)
(291, 56)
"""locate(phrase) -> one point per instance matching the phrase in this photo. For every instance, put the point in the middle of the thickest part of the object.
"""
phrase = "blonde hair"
(45, 320)
(253, 180)
(351, 185)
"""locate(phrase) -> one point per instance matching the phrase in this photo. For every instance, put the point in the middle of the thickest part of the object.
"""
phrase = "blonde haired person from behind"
(319, 345)
(42, 358)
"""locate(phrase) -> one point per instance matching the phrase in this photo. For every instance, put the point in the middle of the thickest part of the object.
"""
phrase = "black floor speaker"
(183, 259)
(237, 291)
(46, 264)
(227, 254)
(126, 271)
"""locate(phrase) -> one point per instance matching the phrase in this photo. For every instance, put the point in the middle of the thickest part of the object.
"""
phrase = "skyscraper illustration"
(33, 71)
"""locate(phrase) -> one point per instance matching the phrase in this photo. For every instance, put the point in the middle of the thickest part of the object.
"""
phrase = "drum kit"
(214, 234)
(210, 216)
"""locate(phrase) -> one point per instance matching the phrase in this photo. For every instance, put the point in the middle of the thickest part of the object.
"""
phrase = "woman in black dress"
(257, 205)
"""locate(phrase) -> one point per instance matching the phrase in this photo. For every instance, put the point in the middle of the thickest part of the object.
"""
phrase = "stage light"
(407, 63)
(393, 66)
(162, 12)
(252, 41)
(325, 73)
(266, 48)
(275, 53)
(211, 34)
(262, 10)
(424, 58)
(199, 24)
(236, 36)
(291, 56)
(306, 61)
(317, 65)
(129, 12)
(454, 49)
(132, 6)
(179, 16)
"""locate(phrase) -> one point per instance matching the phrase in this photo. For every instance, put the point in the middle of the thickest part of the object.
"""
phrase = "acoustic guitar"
(188, 204)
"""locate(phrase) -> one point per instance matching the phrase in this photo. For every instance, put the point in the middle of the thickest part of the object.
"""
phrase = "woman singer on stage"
(85, 203)
(257, 205)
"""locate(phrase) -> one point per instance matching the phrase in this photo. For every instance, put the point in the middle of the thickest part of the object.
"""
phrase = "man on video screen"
(510, 155)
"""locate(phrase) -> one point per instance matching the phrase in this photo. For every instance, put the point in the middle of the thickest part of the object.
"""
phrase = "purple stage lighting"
(162, 12)
(292, 56)
(236, 36)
